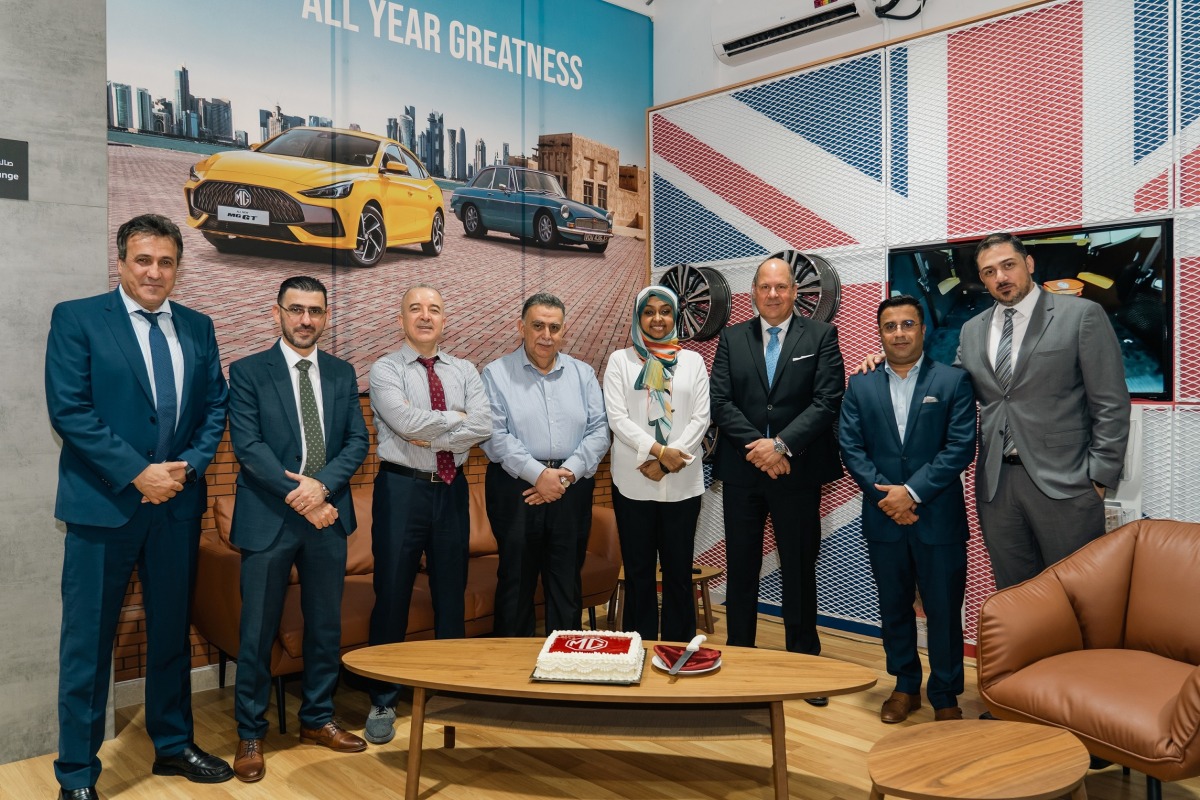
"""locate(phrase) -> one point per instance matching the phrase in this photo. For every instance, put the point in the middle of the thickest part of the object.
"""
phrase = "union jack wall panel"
(1060, 115)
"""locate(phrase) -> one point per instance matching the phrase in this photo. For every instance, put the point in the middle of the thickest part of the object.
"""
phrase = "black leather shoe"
(88, 793)
(819, 702)
(195, 765)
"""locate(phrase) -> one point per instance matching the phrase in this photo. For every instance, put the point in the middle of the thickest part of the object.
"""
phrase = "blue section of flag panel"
(1189, 62)
(1151, 76)
(898, 128)
(838, 108)
(686, 232)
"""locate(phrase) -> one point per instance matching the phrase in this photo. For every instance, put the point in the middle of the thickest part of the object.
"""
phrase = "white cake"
(599, 656)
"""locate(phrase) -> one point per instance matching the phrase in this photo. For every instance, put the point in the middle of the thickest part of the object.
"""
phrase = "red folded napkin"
(704, 658)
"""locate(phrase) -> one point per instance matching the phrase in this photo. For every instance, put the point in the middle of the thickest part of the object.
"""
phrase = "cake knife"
(692, 647)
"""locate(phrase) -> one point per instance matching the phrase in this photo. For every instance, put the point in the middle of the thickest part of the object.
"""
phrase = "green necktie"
(310, 420)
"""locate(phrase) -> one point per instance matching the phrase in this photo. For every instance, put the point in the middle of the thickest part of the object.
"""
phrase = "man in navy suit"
(907, 432)
(297, 430)
(135, 390)
(777, 383)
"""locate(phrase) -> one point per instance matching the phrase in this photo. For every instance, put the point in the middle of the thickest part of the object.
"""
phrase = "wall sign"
(14, 169)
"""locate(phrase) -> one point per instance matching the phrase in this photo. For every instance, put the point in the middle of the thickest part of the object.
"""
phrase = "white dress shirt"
(783, 329)
(1020, 319)
(633, 436)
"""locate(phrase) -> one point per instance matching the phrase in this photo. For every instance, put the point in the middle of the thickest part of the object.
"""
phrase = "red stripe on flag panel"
(1189, 180)
(800, 227)
(1154, 195)
(1189, 329)
(1015, 122)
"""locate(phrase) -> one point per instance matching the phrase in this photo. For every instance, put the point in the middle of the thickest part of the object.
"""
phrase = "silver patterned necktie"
(310, 420)
(1004, 370)
(772, 354)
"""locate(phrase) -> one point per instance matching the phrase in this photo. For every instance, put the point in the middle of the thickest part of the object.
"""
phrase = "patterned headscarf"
(658, 357)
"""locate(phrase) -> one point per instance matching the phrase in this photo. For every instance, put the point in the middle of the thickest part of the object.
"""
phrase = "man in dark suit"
(907, 432)
(297, 430)
(777, 383)
(135, 390)
(1053, 414)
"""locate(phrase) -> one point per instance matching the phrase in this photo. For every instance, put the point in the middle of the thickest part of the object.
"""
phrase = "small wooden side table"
(978, 760)
(702, 576)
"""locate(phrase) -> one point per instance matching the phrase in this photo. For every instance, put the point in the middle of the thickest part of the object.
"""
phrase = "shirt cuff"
(916, 498)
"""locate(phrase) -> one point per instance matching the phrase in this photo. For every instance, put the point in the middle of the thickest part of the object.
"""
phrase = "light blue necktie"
(164, 386)
(772, 354)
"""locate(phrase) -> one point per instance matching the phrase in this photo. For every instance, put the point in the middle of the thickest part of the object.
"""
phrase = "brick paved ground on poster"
(483, 281)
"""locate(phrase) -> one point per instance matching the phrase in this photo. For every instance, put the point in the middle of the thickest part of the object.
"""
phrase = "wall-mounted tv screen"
(1124, 268)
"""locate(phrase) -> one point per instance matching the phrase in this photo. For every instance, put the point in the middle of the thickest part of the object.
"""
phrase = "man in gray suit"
(1053, 412)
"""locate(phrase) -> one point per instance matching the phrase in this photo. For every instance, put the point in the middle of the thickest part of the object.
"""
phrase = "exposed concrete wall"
(52, 247)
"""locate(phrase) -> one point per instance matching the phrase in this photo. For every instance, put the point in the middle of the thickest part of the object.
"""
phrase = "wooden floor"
(827, 749)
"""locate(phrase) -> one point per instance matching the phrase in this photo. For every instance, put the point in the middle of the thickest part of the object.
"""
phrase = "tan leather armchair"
(1106, 644)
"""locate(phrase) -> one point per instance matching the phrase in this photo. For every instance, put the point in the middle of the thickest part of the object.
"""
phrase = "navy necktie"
(164, 386)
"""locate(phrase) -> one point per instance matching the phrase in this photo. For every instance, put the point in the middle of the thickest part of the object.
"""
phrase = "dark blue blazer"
(264, 428)
(100, 403)
(939, 443)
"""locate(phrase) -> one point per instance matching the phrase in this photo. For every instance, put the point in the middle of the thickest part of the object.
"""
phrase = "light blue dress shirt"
(558, 416)
(902, 390)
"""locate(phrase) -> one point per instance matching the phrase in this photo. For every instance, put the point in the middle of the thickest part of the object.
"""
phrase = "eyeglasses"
(296, 312)
(905, 325)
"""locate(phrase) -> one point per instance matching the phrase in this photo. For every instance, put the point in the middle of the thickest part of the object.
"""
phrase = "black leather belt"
(409, 472)
(1012, 458)
(552, 463)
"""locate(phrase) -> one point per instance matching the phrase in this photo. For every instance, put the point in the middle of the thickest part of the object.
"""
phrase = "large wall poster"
(195, 89)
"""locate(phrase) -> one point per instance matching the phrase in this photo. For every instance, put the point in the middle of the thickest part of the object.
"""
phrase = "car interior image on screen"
(1125, 268)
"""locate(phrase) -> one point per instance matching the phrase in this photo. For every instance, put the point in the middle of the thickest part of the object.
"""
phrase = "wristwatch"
(189, 475)
(324, 489)
(780, 447)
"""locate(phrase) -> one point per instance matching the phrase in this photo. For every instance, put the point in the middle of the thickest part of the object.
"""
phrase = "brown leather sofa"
(1106, 644)
(218, 606)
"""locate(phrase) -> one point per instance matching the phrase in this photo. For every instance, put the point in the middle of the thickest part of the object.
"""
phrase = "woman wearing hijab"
(656, 395)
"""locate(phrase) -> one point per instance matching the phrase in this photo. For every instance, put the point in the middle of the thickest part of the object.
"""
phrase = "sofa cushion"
(1124, 698)
(1164, 592)
(483, 541)
(359, 558)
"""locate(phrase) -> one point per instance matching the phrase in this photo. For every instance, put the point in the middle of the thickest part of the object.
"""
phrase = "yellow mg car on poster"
(353, 192)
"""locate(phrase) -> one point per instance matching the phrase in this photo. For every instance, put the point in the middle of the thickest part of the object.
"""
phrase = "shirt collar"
(409, 354)
(913, 371)
(132, 306)
(558, 362)
(783, 327)
(1023, 308)
(292, 358)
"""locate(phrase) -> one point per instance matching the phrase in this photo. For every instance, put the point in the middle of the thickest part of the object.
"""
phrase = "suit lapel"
(918, 398)
(754, 341)
(1039, 321)
(882, 384)
(981, 348)
(187, 342)
(328, 394)
(117, 318)
(280, 375)
(795, 332)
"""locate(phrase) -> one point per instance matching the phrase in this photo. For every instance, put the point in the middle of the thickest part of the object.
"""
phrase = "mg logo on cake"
(587, 644)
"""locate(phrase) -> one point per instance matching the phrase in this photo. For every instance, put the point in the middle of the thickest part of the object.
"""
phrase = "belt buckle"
(434, 477)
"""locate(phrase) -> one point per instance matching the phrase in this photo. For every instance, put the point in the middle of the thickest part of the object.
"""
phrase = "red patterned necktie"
(437, 401)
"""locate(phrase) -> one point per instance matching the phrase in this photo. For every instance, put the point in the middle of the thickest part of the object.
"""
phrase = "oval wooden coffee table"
(488, 684)
(978, 760)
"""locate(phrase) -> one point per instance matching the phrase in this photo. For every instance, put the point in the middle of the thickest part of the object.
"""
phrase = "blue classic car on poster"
(529, 205)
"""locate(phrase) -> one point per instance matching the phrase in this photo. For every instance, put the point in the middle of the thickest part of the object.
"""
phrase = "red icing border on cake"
(613, 645)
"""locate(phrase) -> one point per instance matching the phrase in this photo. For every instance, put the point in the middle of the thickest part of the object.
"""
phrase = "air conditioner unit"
(743, 30)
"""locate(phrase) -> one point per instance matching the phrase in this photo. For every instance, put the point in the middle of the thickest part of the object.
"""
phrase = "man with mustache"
(296, 426)
(430, 410)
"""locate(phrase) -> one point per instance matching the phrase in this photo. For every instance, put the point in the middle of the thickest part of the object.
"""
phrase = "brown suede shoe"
(331, 735)
(943, 714)
(248, 764)
(897, 707)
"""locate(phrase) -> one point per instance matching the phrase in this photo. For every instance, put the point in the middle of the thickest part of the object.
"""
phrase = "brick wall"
(129, 655)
